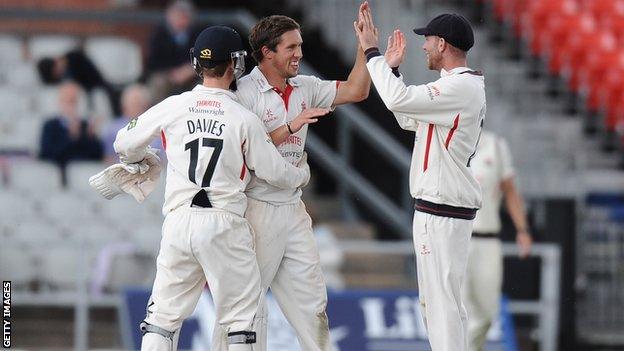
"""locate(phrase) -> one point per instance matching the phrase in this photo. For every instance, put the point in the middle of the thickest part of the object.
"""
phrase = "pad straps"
(241, 337)
(148, 328)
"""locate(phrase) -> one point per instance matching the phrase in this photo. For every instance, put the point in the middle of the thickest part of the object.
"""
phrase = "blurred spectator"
(68, 137)
(135, 99)
(169, 70)
(76, 66)
(493, 168)
(332, 256)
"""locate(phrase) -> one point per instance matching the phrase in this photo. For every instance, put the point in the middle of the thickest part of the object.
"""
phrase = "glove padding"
(136, 179)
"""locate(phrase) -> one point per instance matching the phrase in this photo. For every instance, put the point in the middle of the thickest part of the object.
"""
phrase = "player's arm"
(357, 85)
(513, 198)
(406, 122)
(262, 157)
(515, 207)
(132, 140)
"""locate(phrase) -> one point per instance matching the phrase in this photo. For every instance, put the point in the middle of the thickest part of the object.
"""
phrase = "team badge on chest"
(269, 116)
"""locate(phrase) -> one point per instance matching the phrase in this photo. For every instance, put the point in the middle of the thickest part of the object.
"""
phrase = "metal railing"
(350, 181)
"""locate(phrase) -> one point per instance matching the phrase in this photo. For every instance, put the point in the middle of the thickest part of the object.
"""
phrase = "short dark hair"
(217, 70)
(45, 66)
(268, 31)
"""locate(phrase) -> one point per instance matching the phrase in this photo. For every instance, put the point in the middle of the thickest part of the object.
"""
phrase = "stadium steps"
(359, 270)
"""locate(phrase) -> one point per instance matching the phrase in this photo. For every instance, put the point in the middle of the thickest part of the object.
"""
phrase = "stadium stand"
(41, 46)
(119, 59)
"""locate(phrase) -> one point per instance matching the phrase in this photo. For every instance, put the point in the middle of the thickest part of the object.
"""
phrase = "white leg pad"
(155, 341)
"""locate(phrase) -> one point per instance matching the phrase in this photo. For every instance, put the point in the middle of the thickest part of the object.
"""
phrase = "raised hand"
(395, 52)
(308, 116)
(365, 28)
(359, 24)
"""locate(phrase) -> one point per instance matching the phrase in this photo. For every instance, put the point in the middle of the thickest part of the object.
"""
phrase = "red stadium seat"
(615, 24)
(580, 39)
(600, 43)
(558, 39)
(539, 18)
(599, 65)
(602, 8)
(498, 7)
(612, 96)
(514, 10)
(616, 117)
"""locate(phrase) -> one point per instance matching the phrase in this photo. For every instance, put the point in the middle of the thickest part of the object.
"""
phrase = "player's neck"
(219, 83)
(451, 64)
(273, 77)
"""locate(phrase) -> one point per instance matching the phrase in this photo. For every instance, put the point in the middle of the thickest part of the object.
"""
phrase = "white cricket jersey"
(210, 141)
(275, 108)
(447, 116)
(491, 165)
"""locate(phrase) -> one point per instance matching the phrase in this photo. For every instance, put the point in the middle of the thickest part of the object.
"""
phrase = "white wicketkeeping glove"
(136, 179)
(150, 169)
(103, 182)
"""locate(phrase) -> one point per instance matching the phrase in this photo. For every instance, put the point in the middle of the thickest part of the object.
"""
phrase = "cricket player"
(493, 168)
(212, 145)
(286, 103)
(447, 116)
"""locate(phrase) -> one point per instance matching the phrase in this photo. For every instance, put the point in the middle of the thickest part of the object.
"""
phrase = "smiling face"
(285, 59)
(432, 49)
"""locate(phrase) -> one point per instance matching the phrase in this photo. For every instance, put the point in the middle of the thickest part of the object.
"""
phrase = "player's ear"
(266, 52)
(441, 44)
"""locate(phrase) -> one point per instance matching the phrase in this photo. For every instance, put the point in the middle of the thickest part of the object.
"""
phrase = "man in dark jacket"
(67, 136)
(168, 68)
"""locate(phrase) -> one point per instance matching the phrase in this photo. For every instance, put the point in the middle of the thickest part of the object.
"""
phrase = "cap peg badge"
(205, 54)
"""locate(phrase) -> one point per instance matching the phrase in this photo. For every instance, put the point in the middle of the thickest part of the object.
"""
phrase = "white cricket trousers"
(202, 245)
(290, 265)
(441, 245)
(482, 288)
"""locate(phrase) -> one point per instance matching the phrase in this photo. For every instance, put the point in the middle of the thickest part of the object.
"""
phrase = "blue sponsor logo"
(359, 320)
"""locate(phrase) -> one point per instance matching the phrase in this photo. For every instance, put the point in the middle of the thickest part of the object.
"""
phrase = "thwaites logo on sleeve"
(432, 91)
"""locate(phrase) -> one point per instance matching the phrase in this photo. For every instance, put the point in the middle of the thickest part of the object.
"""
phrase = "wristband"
(288, 126)
(371, 52)
(395, 71)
